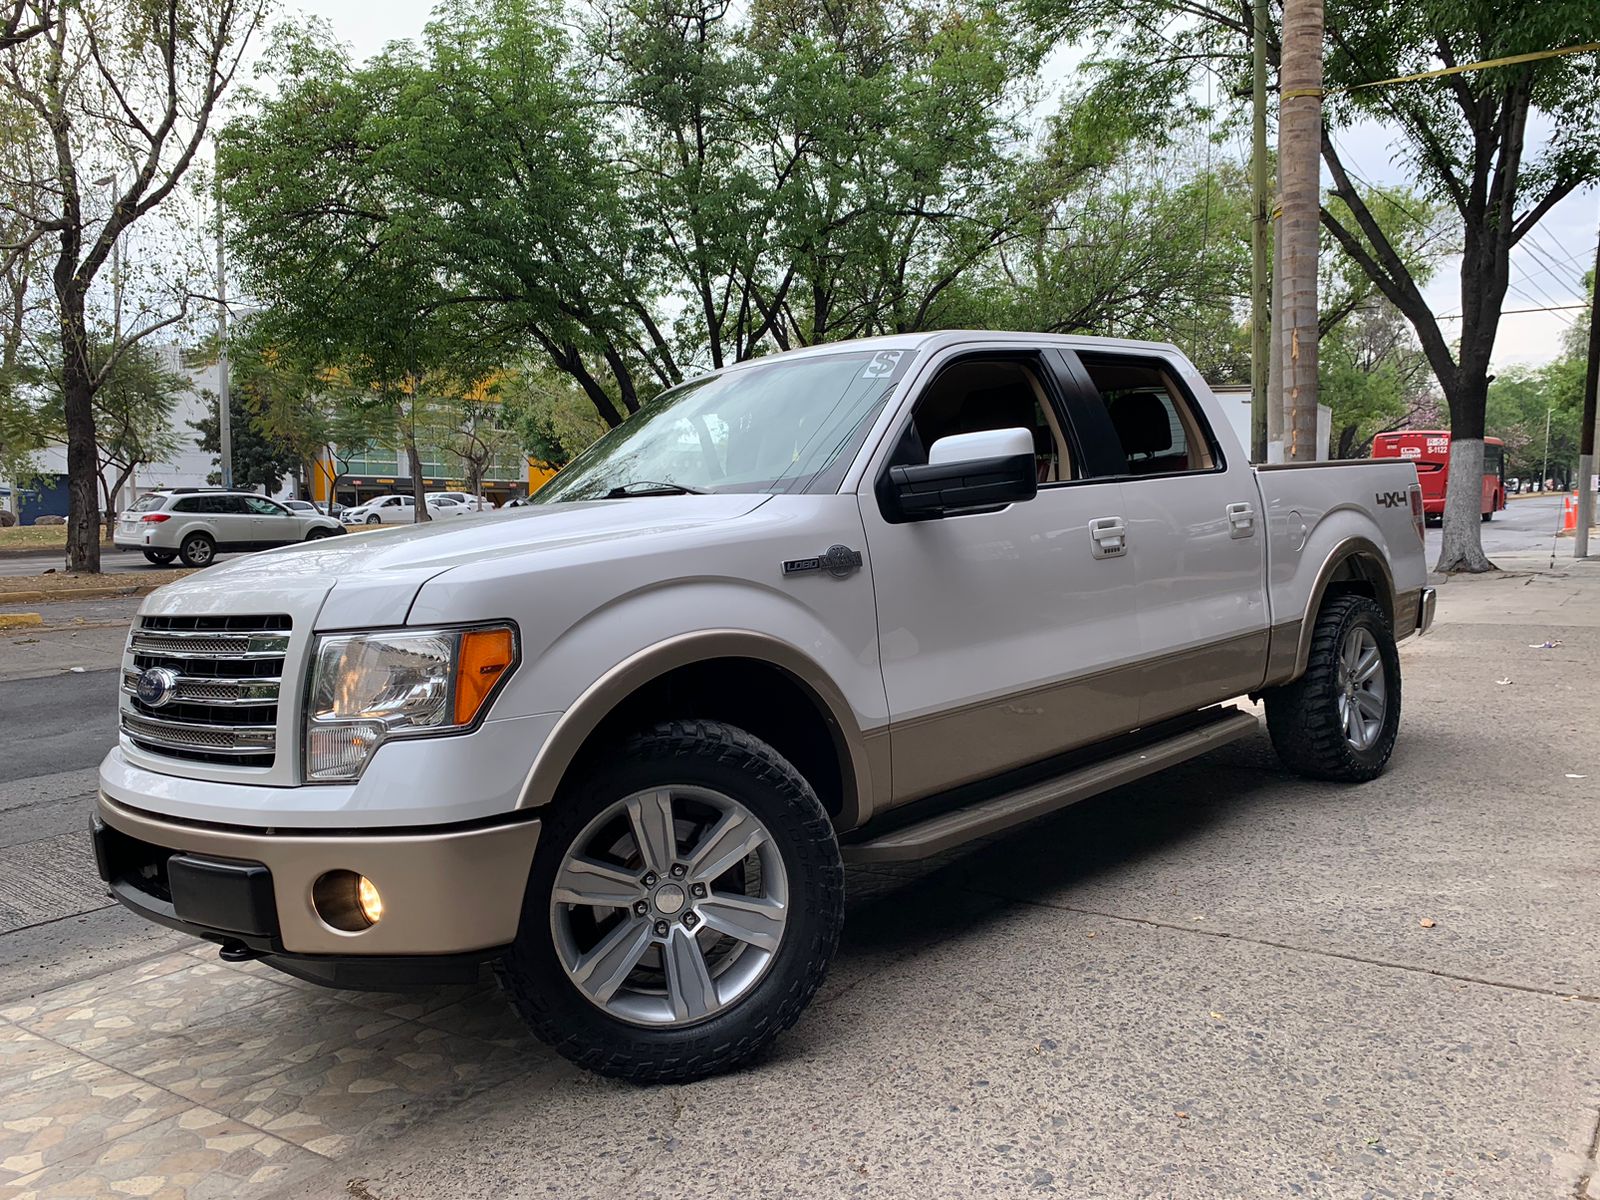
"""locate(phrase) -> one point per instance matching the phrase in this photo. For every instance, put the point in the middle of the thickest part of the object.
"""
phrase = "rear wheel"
(197, 550)
(685, 902)
(1488, 516)
(160, 557)
(1339, 720)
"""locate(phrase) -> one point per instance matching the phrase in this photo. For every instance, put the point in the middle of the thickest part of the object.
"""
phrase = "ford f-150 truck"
(858, 602)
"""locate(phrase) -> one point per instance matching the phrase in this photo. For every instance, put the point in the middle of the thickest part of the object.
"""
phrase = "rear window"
(149, 502)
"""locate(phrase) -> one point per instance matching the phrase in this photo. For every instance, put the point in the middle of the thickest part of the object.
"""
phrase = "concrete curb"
(95, 593)
(20, 620)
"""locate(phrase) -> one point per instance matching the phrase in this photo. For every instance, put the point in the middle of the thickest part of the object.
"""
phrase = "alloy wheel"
(1363, 690)
(669, 906)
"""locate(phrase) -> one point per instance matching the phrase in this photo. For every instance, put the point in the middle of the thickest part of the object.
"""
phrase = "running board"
(950, 829)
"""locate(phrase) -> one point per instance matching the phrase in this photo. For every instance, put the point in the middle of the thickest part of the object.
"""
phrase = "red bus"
(1430, 450)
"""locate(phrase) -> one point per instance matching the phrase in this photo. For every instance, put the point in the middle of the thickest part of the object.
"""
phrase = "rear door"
(1003, 633)
(233, 519)
(1196, 535)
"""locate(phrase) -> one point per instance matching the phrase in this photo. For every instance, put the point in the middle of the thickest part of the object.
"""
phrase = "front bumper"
(1425, 609)
(448, 892)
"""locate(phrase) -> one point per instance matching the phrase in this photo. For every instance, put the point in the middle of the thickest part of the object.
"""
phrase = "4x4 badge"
(837, 561)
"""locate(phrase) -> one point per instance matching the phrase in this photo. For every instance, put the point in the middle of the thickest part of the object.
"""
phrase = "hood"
(370, 578)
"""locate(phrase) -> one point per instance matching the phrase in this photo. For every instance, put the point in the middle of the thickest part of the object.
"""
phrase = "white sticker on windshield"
(883, 364)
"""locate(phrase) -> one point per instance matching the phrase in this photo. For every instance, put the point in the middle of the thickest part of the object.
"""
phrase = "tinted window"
(975, 395)
(1156, 427)
(189, 504)
(230, 505)
(1493, 459)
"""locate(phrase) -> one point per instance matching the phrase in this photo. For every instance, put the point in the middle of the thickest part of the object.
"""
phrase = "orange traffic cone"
(1569, 513)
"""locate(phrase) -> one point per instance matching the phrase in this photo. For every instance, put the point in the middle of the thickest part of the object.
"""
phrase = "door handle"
(1108, 537)
(1241, 521)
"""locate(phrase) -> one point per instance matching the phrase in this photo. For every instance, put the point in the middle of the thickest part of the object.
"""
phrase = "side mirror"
(966, 471)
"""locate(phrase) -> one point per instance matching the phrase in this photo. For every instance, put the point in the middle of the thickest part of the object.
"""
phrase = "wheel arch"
(1354, 565)
(782, 696)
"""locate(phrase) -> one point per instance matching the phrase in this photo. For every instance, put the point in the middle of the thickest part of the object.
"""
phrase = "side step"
(941, 832)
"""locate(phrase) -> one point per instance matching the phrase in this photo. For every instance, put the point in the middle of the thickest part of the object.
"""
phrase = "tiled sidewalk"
(186, 1077)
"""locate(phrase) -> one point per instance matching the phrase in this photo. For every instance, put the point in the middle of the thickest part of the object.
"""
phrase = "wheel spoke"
(1370, 704)
(1367, 666)
(733, 837)
(1344, 715)
(585, 881)
(758, 922)
(650, 815)
(602, 971)
(1351, 652)
(689, 985)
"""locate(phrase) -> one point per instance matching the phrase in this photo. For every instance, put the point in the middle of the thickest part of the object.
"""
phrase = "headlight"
(369, 687)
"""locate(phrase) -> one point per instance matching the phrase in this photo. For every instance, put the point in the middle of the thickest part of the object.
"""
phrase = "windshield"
(773, 427)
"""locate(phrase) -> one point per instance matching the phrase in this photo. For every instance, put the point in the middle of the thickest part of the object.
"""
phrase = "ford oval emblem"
(157, 686)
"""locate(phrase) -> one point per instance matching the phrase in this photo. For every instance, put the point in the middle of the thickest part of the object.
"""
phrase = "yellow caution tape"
(1508, 61)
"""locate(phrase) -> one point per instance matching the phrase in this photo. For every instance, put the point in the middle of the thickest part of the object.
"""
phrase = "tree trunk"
(83, 474)
(1462, 548)
(1299, 181)
(419, 490)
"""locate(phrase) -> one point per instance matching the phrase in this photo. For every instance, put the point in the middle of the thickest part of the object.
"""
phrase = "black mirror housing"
(928, 492)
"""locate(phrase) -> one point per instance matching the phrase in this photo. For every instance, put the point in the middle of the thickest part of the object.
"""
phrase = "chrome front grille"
(222, 705)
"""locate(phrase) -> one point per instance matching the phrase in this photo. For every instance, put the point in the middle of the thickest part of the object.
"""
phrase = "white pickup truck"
(859, 602)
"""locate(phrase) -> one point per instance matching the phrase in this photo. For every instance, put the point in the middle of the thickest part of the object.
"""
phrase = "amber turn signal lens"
(484, 657)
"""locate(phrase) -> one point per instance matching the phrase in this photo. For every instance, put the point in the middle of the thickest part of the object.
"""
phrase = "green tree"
(133, 418)
(260, 460)
(552, 419)
(1463, 136)
(125, 89)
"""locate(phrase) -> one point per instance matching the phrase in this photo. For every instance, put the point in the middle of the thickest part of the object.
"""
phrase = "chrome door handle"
(1108, 537)
(1241, 521)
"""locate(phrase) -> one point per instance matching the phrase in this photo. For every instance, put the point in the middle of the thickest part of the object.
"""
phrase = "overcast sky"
(1547, 268)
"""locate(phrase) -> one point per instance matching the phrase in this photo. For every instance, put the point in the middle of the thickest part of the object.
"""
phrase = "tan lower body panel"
(448, 892)
(945, 750)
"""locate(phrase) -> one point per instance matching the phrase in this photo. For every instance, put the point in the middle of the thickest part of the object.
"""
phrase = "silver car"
(194, 526)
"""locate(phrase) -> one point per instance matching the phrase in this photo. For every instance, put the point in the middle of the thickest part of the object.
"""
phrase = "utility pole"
(1544, 474)
(1591, 383)
(224, 415)
(1300, 186)
(1260, 312)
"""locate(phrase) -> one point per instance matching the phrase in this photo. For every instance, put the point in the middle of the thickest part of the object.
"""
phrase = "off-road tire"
(197, 550)
(707, 754)
(1303, 716)
(160, 557)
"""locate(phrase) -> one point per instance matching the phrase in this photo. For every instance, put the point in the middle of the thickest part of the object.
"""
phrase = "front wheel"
(374, 519)
(685, 901)
(1339, 720)
(1488, 516)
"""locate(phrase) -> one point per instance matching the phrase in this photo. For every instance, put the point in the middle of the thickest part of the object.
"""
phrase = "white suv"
(193, 525)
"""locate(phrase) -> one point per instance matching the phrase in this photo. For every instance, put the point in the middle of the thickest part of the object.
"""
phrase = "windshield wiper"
(651, 487)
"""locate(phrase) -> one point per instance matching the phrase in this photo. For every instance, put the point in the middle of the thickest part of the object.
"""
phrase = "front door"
(1003, 634)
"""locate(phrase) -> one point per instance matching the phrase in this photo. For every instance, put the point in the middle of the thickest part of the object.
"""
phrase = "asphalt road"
(111, 562)
(57, 723)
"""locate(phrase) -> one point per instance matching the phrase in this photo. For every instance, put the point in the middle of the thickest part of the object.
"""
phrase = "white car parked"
(193, 526)
(399, 510)
(474, 503)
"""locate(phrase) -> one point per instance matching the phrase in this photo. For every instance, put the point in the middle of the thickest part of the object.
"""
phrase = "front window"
(761, 427)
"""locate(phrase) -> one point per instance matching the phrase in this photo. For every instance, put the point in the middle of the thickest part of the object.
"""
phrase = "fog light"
(347, 901)
(368, 900)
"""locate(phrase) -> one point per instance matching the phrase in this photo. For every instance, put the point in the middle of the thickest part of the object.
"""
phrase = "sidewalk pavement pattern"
(1222, 981)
